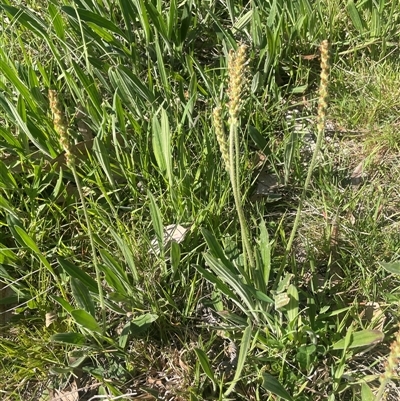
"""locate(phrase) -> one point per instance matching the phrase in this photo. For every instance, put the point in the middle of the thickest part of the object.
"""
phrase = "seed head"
(220, 134)
(60, 125)
(237, 79)
(323, 86)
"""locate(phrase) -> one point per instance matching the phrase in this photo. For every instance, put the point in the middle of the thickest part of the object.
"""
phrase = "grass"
(139, 256)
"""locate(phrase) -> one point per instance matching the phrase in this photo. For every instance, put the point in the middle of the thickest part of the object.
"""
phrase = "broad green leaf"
(259, 140)
(262, 297)
(27, 18)
(89, 89)
(304, 355)
(156, 18)
(123, 337)
(243, 21)
(355, 16)
(162, 70)
(141, 14)
(348, 338)
(161, 140)
(175, 255)
(31, 132)
(366, 393)
(393, 267)
(7, 135)
(130, 86)
(143, 322)
(66, 305)
(360, 339)
(57, 21)
(86, 320)
(129, 16)
(271, 384)
(118, 270)
(7, 257)
(7, 180)
(221, 286)
(227, 33)
(172, 20)
(27, 240)
(293, 306)
(69, 338)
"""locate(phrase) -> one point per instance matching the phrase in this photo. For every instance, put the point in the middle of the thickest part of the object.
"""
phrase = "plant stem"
(234, 172)
(322, 105)
(92, 245)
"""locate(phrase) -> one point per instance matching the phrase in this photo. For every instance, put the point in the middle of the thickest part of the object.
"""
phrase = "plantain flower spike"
(323, 87)
(61, 126)
(237, 79)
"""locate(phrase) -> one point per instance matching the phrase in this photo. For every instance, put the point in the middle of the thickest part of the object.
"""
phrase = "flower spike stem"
(61, 127)
(322, 106)
(236, 71)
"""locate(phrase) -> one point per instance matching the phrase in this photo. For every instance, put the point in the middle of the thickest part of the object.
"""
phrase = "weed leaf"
(271, 384)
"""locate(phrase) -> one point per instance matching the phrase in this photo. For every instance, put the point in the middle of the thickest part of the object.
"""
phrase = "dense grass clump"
(199, 200)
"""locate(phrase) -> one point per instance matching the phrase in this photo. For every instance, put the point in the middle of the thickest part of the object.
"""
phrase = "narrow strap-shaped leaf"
(205, 364)
(82, 296)
(244, 348)
(75, 271)
(95, 18)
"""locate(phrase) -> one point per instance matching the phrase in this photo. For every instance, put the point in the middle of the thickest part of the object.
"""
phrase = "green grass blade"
(206, 366)
(244, 348)
(265, 250)
(221, 286)
(76, 272)
(31, 244)
(94, 18)
(102, 155)
(125, 249)
(144, 20)
(156, 220)
(232, 280)
(82, 296)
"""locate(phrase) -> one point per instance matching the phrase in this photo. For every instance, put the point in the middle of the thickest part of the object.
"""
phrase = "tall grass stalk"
(61, 127)
(230, 154)
(322, 106)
